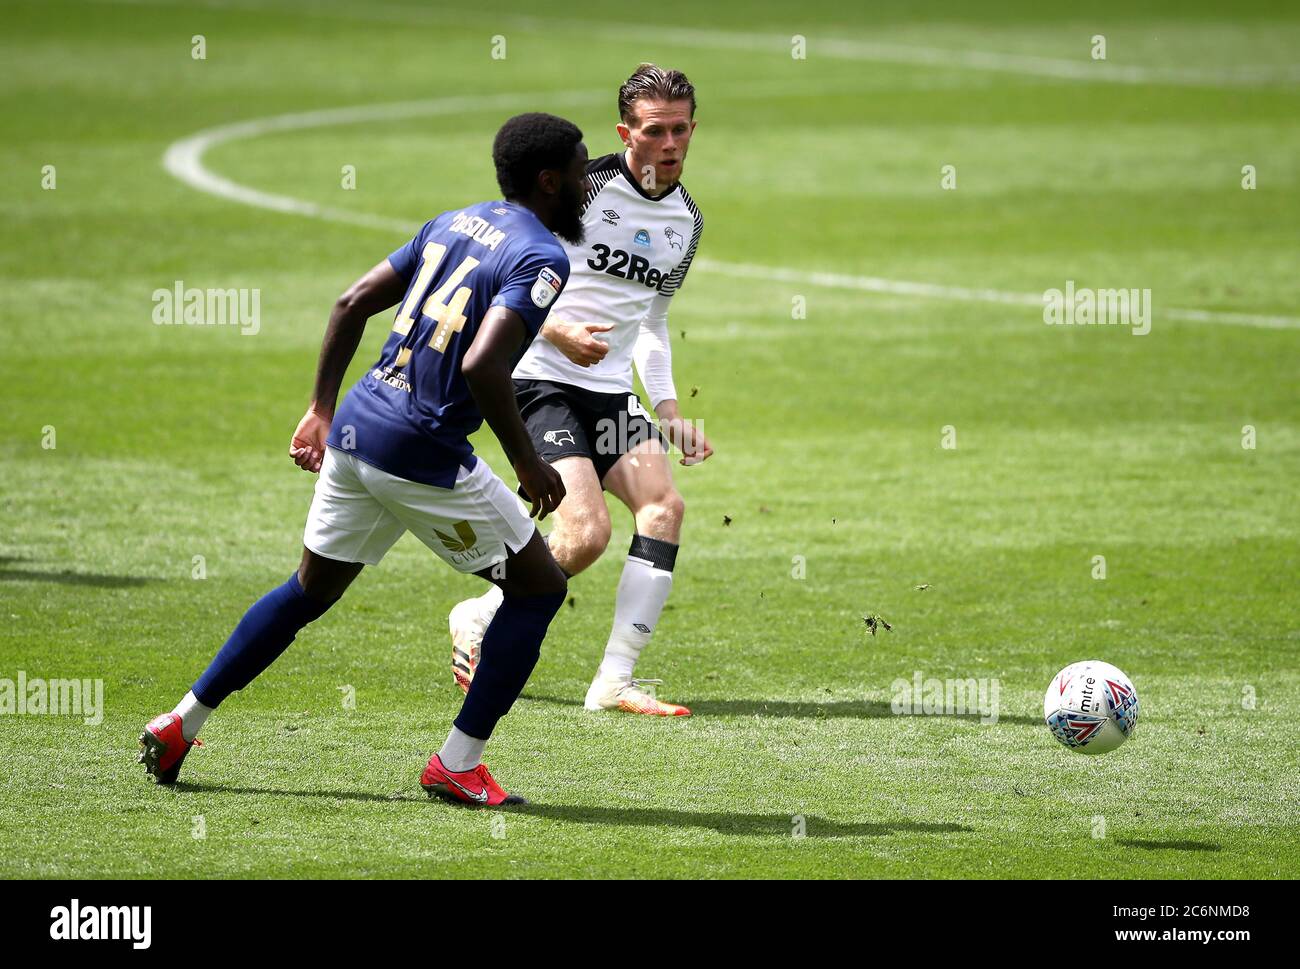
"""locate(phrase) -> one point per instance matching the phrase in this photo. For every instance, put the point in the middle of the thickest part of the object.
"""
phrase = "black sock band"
(660, 554)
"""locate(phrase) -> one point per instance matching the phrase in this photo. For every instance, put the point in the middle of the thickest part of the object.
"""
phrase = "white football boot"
(628, 696)
(468, 622)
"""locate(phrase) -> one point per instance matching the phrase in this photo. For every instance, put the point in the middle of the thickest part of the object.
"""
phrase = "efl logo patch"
(546, 288)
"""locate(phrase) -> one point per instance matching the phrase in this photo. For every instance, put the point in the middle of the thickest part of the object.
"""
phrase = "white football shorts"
(359, 511)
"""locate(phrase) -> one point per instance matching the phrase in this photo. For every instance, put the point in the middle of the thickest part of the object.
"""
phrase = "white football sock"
(193, 715)
(642, 591)
(461, 752)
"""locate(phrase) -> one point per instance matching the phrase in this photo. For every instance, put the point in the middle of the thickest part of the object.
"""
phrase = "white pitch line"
(184, 160)
(964, 294)
(1059, 68)
(818, 44)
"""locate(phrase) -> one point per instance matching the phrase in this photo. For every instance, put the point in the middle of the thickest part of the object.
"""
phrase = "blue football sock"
(511, 646)
(265, 632)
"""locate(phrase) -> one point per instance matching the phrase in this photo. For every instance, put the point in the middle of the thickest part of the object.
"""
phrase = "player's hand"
(578, 342)
(688, 438)
(542, 484)
(307, 448)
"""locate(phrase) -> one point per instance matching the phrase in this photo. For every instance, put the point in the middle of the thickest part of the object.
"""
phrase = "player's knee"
(662, 518)
(549, 581)
(324, 584)
(598, 536)
(558, 585)
(591, 540)
(538, 579)
(320, 591)
(675, 507)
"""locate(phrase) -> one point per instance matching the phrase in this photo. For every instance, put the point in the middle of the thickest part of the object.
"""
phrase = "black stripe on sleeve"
(674, 280)
(599, 172)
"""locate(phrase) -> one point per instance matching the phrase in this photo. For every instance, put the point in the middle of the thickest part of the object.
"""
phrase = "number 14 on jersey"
(445, 307)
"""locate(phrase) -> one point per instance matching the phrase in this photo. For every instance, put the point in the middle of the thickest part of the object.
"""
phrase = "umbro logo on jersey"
(611, 217)
(500, 211)
(675, 238)
(642, 238)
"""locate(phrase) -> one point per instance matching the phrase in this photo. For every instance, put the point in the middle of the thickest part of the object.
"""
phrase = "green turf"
(1071, 443)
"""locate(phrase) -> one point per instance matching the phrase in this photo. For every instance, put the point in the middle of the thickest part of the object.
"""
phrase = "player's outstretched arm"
(487, 366)
(373, 293)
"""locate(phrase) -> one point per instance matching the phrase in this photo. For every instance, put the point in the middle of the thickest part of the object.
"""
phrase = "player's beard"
(569, 216)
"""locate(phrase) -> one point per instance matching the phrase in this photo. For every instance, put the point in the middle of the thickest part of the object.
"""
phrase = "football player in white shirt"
(574, 387)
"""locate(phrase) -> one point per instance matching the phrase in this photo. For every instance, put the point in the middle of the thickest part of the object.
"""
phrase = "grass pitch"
(828, 390)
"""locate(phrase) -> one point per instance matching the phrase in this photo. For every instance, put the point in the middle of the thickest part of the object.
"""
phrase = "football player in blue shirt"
(475, 286)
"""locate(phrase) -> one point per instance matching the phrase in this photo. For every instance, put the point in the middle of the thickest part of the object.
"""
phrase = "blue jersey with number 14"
(412, 413)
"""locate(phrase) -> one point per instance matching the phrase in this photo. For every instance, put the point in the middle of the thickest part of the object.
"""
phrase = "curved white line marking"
(184, 160)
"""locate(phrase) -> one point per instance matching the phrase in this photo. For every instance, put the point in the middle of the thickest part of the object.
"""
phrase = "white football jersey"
(636, 246)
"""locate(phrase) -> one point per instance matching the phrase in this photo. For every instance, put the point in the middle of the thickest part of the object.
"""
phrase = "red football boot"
(475, 787)
(163, 747)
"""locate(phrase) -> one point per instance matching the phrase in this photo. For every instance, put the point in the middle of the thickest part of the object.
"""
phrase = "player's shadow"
(739, 823)
(805, 709)
(1184, 845)
(191, 788)
(68, 577)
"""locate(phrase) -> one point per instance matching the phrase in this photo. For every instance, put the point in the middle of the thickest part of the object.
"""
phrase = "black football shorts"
(564, 420)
